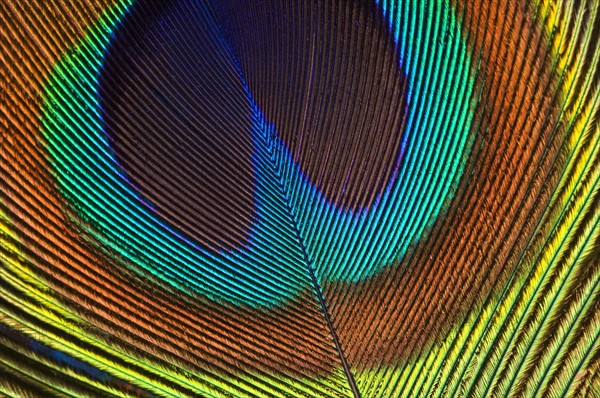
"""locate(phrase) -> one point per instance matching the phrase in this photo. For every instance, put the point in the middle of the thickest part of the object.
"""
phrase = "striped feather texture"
(317, 198)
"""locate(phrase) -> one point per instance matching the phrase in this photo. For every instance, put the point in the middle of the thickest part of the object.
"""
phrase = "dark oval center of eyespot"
(327, 75)
(179, 119)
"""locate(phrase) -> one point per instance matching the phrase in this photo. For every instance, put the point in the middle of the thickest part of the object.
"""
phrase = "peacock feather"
(370, 198)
